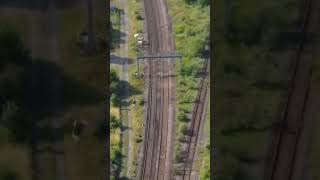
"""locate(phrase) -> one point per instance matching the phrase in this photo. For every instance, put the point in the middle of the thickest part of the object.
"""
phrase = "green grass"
(115, 141)
(205, 151)
(125, 133)
(136, 84)
(135, 25)
(115, 35)
(136, 114)
(191, 30)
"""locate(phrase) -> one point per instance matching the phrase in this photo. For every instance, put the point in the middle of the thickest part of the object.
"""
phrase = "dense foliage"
(14, 57)
(251, 78)
(115, 125)
(199, 2)
(191, 32)
(115, 88)
(11, 47)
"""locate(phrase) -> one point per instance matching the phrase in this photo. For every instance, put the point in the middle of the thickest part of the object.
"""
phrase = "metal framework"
(162, 55)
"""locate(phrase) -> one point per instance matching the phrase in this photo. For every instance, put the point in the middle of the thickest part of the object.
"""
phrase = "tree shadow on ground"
(117, 38)
(120, 60)
(132, 90)
(36, 5)
(124, 128)
(48, 88)
(41, 92)
(48, 94)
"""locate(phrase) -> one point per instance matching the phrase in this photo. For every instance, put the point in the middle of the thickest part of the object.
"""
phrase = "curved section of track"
(159, 111)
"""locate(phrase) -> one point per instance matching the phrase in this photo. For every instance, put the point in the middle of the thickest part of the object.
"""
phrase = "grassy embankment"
(136, 85)
(205, 150)
(115, 132)
(191, 30)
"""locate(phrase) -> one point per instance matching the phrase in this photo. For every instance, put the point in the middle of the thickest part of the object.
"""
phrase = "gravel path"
(124, 76)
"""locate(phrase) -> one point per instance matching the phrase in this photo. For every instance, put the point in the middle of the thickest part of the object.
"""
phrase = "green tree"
(113, 75)
(12, 118)
(115, 100)
(183, 117)
(203, 3)
(114, 123)
(11, 47)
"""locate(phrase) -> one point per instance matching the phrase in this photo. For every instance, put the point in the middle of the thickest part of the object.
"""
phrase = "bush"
(190, 67)
(183, 117)
(19, 126)
(115, 100)
(113, 76)
(115, 157)
(114, 123)
(141, 102)
(138, 140)
(202, 3)
(11, 47)
(184, 129)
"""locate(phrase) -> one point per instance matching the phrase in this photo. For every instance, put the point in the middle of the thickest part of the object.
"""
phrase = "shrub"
(184, 129)
(183, 117)
(11, 47)
(115, 100)
(18, 125)
(114, 123)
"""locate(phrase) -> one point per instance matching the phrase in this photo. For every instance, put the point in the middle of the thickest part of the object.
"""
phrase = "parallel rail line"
(286, 150)
(159, 96)
(198, 117)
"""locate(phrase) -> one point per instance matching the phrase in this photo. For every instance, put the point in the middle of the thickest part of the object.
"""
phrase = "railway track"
(288, 141)
(159, 98)
(197, 120)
